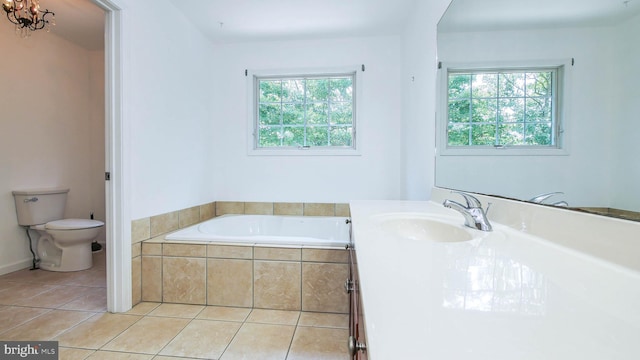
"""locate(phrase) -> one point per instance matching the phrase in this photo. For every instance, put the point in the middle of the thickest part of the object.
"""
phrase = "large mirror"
(599, 171)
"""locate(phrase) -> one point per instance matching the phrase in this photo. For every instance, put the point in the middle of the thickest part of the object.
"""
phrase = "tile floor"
(71, 309)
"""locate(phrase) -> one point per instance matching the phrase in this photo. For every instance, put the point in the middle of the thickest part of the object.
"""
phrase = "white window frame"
(252, 96)
(562, 109)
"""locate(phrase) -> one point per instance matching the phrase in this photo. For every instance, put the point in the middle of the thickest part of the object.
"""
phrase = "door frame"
(118, 220)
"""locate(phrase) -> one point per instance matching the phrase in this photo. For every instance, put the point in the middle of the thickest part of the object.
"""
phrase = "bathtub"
(312, 231)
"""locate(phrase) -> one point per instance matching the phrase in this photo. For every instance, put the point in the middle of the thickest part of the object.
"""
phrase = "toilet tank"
(39, 206)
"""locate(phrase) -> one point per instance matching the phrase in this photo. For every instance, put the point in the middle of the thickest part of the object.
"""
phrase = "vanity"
(546, 283)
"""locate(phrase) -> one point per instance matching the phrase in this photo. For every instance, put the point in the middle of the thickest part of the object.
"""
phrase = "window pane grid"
(517, 108)
(305, 111)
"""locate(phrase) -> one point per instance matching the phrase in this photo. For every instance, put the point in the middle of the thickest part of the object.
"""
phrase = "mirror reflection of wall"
(601, 167)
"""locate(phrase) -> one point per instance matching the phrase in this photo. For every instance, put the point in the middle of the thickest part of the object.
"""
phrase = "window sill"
(304, 152)
(506, 151)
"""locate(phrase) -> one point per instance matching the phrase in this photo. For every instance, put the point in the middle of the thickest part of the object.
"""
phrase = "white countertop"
(507, 295)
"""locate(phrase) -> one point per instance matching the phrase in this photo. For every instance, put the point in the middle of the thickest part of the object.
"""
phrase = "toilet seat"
(73, 224)
(65, 245)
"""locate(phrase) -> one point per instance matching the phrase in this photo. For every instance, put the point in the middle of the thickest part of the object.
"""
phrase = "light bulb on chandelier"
(27, 16)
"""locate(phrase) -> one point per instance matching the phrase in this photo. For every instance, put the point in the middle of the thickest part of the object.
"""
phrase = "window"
(503, 108)
(304, 112)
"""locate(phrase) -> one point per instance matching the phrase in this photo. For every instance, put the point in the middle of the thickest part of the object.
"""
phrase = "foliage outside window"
(502, 108)
(307, 111)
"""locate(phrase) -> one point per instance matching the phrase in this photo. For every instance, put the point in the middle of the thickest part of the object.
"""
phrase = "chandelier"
(27, 16)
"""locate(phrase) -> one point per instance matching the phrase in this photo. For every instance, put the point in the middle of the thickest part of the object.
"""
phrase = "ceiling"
(79, 21)
(474, 15)
(225, 21)
(250, 20)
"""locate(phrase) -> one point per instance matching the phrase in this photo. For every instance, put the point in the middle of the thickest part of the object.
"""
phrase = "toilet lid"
(70, 224)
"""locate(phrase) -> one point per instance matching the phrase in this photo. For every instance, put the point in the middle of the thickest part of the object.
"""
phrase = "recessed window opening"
(503, 108)
(303, 112)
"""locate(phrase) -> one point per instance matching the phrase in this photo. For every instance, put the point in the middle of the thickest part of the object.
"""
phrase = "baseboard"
(19, 265)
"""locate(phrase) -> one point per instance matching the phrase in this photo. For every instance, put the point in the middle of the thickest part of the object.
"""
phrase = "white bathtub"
(316, 231)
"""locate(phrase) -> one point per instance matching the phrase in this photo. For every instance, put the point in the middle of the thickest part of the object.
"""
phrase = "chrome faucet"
(474, 215)
(539, 199)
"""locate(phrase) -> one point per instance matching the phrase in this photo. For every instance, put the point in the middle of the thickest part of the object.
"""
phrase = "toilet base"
(71, 258)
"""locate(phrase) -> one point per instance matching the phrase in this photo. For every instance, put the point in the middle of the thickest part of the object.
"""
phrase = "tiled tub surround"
(156, 227)
(71, 308)
(279, 278)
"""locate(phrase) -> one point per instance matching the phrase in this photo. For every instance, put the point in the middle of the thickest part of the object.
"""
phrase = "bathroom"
(186, 141)
(53, 127)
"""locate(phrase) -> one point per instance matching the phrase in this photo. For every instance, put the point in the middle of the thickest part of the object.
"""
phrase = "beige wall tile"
(230, 282)
(317, 209)
(323, 287)
(136, 250)
(161, 224)
(227, 207)
(258, 208)
(149, 248)
(325, 255)
(284, 254)
(140, 230)
(207, 211)
(152, 278)
(288, 209)
(188, 217)
(230, 252)
(276, 285)
(184, 280)
(343, 210)
(188, 250)
(157, 240)
(136, 280)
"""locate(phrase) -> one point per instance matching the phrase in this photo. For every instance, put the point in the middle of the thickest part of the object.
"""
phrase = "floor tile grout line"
(60, 307)
(121, 332)
(87, 319)
(295, 330)
(26, 321)
(93, 351)
(235, 334)
(174, 337)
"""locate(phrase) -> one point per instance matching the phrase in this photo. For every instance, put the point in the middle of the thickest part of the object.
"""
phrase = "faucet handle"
(472, 201)
(538, 199)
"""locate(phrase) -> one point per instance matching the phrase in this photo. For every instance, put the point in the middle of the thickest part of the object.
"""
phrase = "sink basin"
(424, 229)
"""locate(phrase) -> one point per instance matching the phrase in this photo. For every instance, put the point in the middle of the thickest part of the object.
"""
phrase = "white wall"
(418, 102)
(626, 164)
(374, 174)
(583, 174)
(50, 127)
(167, 103)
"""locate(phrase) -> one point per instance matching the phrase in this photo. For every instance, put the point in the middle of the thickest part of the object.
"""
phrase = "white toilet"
(64, 244)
